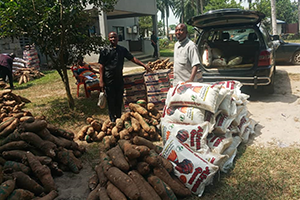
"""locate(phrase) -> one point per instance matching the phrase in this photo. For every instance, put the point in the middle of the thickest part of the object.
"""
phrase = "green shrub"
(164, 43)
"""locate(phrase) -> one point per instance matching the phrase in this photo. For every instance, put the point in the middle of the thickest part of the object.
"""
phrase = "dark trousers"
(6, 72)
(155, 53)
(114, 96)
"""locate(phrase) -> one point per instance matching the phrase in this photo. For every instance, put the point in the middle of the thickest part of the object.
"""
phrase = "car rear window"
(239, 35)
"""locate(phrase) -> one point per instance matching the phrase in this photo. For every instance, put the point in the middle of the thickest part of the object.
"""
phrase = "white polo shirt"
(186, 56)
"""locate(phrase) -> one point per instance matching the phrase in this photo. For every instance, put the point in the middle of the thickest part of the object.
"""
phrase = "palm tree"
(185, 9)
(273, 17)
(161, 8)
(164, 7)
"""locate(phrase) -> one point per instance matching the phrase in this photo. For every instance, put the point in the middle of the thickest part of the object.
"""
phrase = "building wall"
(7, 45)
(137, 6)
(279, 29)
(127, 24)
(292, 28)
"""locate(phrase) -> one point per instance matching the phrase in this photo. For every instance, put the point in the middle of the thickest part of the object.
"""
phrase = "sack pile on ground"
(32, 151)
(202, 125)
(30, 55)
(141, 120)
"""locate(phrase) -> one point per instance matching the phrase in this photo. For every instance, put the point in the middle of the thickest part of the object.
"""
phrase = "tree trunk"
(198, 7)
(182, 11)
(167, 25)
(164, 23)
(68, 90)
(201, 6)
(273, 17)
(63, 63)
(299, 16)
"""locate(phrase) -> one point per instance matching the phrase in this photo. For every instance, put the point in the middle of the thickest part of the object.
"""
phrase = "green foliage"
(285, 9)
(172, 26)
(160, 27)
(263, 6)
(220, 4)
(59, 28)
(167, 51)
(145, 25)
(164, 43)
(63, 24)
(190, 29)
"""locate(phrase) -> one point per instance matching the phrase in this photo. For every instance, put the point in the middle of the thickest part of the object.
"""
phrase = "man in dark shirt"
(6, 63)
(111, 62)
(154, 44)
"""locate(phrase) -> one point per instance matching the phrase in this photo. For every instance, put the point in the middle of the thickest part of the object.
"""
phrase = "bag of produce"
(194, 136)
(195, 172)
(199, 95)
(102, 100)
(187, 115)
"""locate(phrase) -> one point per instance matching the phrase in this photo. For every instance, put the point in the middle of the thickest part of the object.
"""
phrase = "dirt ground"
(278, 117)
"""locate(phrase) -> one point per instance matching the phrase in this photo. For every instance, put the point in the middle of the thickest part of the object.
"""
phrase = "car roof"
(226, 17)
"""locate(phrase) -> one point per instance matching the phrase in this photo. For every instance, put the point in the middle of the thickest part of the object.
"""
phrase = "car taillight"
(264, 58)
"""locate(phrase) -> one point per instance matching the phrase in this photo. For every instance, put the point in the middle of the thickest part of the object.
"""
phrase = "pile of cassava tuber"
(161, 64)
(24, 75)
(133, 169)
(142, 121)
(130, 166)
(32, 151)
(11, 105)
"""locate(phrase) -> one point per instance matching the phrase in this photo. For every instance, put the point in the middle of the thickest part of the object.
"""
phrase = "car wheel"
(270, 88)
(296, 58)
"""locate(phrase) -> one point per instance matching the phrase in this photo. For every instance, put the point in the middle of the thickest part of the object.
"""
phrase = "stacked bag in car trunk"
(202, 125)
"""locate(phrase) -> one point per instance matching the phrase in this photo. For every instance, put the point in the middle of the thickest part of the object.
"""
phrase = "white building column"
(103, 25)
(154, 22)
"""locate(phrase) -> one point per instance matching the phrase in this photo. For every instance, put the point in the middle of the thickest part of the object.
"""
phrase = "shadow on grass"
(23, 86)
(58, 111)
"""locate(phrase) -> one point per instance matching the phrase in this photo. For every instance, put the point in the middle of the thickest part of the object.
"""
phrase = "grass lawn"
(166, 52)
(258, 172)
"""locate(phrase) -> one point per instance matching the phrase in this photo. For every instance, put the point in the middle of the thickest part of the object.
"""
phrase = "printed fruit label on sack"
(194, 94)
(188, 115)
(194, 136)
(218, 144)
(194, 171)
(223, 121)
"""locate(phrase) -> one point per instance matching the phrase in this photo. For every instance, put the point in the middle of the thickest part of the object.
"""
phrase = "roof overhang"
(117, 14)
(131, 8)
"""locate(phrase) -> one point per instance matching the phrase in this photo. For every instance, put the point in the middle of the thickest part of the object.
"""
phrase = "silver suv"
(234, 45)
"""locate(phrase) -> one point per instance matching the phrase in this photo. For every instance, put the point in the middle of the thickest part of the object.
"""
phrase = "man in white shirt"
(186, 57)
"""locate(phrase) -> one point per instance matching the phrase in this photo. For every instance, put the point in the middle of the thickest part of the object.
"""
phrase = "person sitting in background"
(6, 63)
(82, 70)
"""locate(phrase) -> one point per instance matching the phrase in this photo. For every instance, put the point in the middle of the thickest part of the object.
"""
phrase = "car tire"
(296, 58)
(269, 89)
